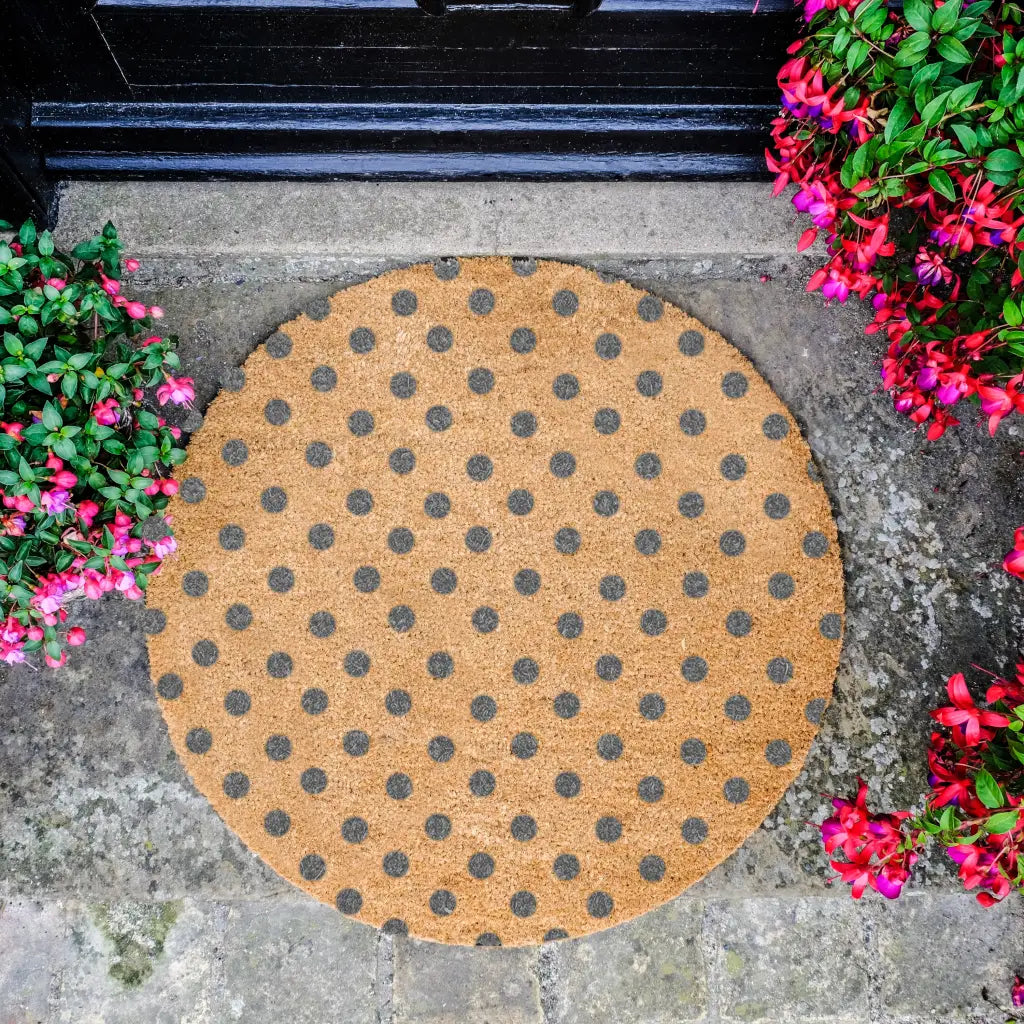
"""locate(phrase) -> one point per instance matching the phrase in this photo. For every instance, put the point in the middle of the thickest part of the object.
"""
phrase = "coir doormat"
(507, 602)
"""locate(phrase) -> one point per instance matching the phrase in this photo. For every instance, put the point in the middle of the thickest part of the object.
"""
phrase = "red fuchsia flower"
(997, 403)
(109, 284)
(13, 429)
(106, 412)
(57, 282)
(131, 265)
(55, 662)
(1017, 992)
(87, 511)
(64, 479)
(1013, 563)
(178, 391)
(964, 717)
(1010, 691)
(931, 269)
(153, 339)
(136, 310)
(76, 636)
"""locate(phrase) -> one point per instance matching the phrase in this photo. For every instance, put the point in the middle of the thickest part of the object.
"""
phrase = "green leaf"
(1004, 160)
(940, 181)
(912, 50)
(934, 109)
(52, 418)
(918, 14)
(856, 54)
(27, 234)
(45, 244)
(1001, 823)
(968, 138)
(65, 448)
(953, 50)
(945, 17)
(899, 118)
(988, 789)
(964, 95)
(1011, 313)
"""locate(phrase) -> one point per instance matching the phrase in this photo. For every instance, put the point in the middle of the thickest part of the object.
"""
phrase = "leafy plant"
(85, 466)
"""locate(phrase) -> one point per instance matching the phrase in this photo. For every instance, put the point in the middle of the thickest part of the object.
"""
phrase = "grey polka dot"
(231, 537)
(520, 502)
(523, 828)
(401, 618)
(483, 708)
(695, 830)
(314, 701)
(192, 490)
(280, 579)
(403, 385)
(485, 620)
(734, 385)
(395, 864)
(366, 579)
(566, 867)
(524, 266)
(394, 926)
(237, 702)
(481, 301)
(736, 790)
(438, 827)
(480, 380)
(523, 340)
(440, 339)
(693, 751)
(562, 465)
(609, 747)
(439, 417)
(608, 346)
(402, 461)
(481, 783)
(321, 624)
(737, 707)
(778, 753)
(831, 626)
(524, 745)
(554, 934)
(349, 901)
(652, 868)
(775, 427)
(205, 653)
(488, 939)
(695, 584)
(650, 789)
(447, 268)
(691, 343)
(443, 581)
(360, 423)
(404, 302)
(357, 664)
(153, 621)
(566, 387)
(277, 412)
(651, 706)
(647, 466)
(318, 455)
(525, 671)
(523, 904)
(318, 309)
(570, 625)
(232, 378)
(169, 686)
(781, 585)
(440, 665)
(776, 506)
(235, 452)
(401, 540)
(606, 503)
(437, 505)
(693, 422)
(695, 669)
(479, 468)
(649, 383)
(733, 467)
(362, 340)
(277, 823)
(321, 536)
(238, 616)
(738, 623)
(199, 741)
(567, 541)
(607, 421)
(527, 582)
(608, 829)
(398, 703)
(279, 345)
(478, 539)
(815, 544)
(481, 865)
(354, 830)
(780, 670)
(612, 588)
(279, 665)
(653, 622)
(815, 710)
(732, 543)
(398, 786)
(236, 785)
(565, 302)
(323, 378)
(608, 667)
(195, 583)
(691, 505)
(567, 705)
(649, 308)
(568, 785)
(524, 424)
(278, 747)
(599, 904)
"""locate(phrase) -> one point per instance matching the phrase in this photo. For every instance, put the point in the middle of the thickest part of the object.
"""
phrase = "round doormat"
(507, 601)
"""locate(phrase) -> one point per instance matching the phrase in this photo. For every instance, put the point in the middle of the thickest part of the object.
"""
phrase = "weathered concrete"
(95, 808)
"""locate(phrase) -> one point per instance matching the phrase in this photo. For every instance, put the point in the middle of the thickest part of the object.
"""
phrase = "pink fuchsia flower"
(1017, 991)
(64, 479)
(21, 502)
(57, 282)
(970, 721)
(178, 391)
(156, 312)
(13, 429)
(87, 512)
(931, 269)
(153, 339)
(76, 636)
(109, 284)
(1013, 563)
(136, 310)
(131, 265)
(13, 526)
(105, 412)
(165, 546)
(56, 662)
(55, 501)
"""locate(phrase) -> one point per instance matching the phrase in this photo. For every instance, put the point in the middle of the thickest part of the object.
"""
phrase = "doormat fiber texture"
(507, 604)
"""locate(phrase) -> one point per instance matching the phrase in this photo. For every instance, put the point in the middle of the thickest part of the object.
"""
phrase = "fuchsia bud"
(131, 265)
(76, 636)
(136, 310)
